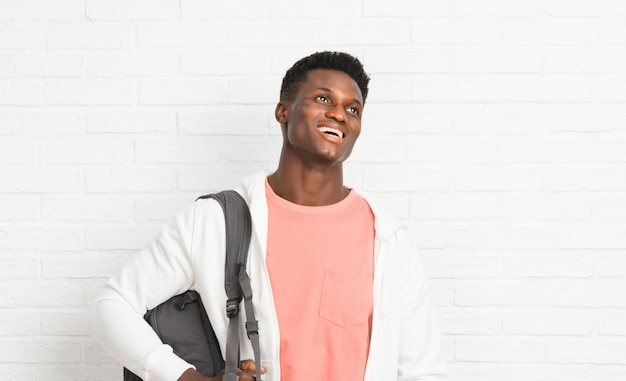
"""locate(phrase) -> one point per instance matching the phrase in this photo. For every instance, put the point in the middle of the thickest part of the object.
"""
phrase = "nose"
(336, 112)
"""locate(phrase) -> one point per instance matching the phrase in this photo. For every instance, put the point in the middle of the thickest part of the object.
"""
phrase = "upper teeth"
(332, 131)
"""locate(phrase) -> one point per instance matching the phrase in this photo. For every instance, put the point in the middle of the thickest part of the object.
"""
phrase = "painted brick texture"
(495, 129)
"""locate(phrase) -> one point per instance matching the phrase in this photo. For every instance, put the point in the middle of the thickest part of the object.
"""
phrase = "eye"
(353, 110)
(322, 98)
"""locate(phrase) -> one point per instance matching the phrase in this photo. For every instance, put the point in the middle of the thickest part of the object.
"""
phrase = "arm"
(153, 275)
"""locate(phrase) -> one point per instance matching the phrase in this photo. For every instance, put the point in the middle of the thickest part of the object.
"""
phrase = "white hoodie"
(189, 254)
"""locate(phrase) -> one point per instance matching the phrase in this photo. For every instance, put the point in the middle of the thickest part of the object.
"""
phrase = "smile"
(332, 132)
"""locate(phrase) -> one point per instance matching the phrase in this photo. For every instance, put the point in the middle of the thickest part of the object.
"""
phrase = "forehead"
(334, 80)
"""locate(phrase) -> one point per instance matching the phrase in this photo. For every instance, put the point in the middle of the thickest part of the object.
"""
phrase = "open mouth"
(331, 131)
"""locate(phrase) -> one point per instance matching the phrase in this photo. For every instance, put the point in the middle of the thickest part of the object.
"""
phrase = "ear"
(281, 113)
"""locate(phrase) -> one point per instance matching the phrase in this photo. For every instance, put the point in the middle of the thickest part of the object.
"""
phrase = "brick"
(93, 353)
(545, 207)
(179, 150)
(18, 151)
(131, 120)
(442, 292)
(498, 293)
(361, 31)
(181, 35)
(559, 322)
(257, 90)
(610, 88)
(388, 88)
(135, 64)
(372, 148)
(57, 10)
(585, 59)
(542, 31)
(403, 119)
(393, 178)
(589, 350)
(585, 118)
(564, 178)
(285, 9)
(469, 321)
(404, 8)
(245, 120)
(116, 10)
(461, 264)
(499, 120)
(395, 60)
(610, 263)
(587, 236)
(98, 372)
(481, 59)
(226, 62)
(453, 206)
(498, 8)
(609, 206)
(87, 150)
(89, 92)
(552, 372)
(64, 324)
(608, 31)
(456, 88)
(120, 236)
(162, 208)
(610, 149)
(250, 150)
(22, 36)
(211, 178)
(245, 9)
(493, 178)
(43, 121)
(543, 149)
(113, 179)
(87, 208)
(582, 8)
(16, 372)
(609, 372)
(471, 371)
(21, 92)
(451, 149)
(19, 323)
(20, 294)
(545, 88)
(395, 203)
(82, 266)
(431, 235)
(46, 180)
(167, 92)
(547, 264)
(90, 36)
(586, 293)
(449, 30)
(24, 237)
(19, 267)
(25, 64)
(500, 349)
(612, 323)
(46, 351)
(282, 34)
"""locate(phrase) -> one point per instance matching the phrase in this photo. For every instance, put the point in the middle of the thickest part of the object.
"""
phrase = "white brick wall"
(496, 129)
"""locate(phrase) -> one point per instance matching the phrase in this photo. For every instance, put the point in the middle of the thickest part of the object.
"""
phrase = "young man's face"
(323, 120)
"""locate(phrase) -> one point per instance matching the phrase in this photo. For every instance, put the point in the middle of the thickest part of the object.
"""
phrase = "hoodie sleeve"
(153, 275)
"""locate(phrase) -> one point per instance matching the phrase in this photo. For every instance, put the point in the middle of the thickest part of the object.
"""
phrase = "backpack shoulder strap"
(237, 283)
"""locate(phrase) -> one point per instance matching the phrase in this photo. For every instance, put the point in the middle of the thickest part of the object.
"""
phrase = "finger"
(250, 366)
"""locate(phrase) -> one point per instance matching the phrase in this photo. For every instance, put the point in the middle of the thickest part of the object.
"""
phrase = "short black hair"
(323, 60)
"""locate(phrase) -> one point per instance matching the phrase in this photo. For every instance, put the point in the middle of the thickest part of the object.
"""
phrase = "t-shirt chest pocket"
(346, 299)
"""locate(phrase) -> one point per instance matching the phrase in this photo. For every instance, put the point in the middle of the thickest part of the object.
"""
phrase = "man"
(337, 291)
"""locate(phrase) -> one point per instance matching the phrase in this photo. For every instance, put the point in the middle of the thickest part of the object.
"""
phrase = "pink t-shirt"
(320, 261)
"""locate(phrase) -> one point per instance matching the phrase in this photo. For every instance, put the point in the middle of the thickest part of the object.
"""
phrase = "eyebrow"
(330, 91)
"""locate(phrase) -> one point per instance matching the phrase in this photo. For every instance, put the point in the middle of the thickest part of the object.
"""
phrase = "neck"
(308, 185)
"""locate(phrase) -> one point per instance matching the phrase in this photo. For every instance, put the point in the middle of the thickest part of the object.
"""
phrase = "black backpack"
(182, 322)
